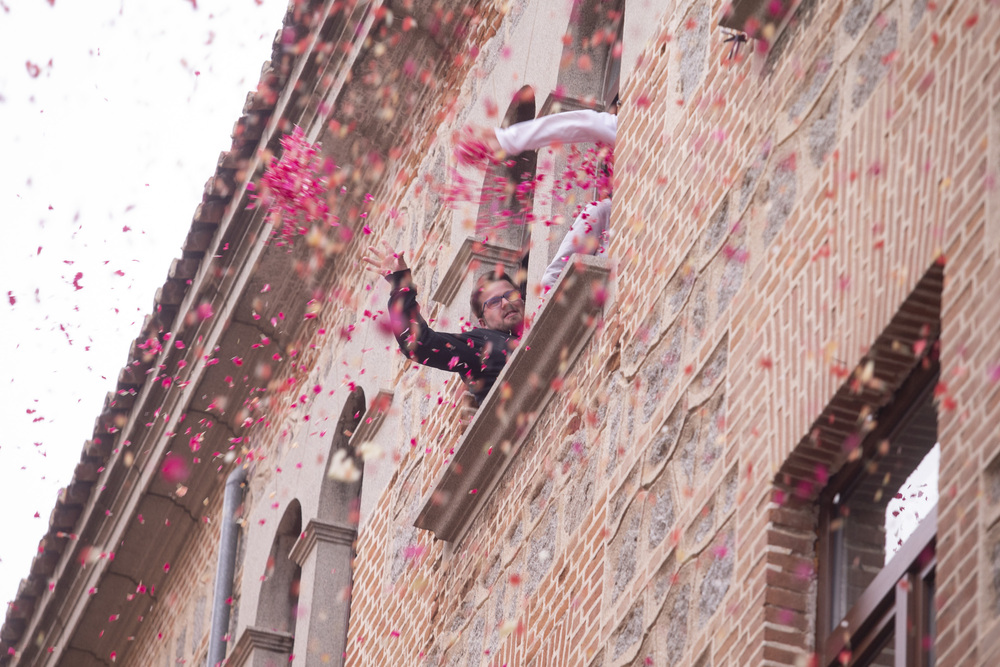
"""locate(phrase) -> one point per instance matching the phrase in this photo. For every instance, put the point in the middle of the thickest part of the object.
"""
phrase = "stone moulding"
(257, 647)
(486, 253)
(321, 531)
(502, 423)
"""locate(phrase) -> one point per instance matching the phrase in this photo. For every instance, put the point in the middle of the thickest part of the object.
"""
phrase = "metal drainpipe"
(226, 567)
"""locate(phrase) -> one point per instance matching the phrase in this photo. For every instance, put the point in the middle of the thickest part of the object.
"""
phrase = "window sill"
(502, 423)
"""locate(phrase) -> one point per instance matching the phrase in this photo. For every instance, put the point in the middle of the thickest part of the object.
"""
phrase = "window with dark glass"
(505, 206)
(878, 526)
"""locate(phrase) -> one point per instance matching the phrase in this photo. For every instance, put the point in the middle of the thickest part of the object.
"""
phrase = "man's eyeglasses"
(512, 296)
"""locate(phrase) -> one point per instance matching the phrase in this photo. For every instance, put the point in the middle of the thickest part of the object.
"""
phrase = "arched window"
(877, 538)
(325, 551)
(279, 593)
(853, 529)
(340, 494)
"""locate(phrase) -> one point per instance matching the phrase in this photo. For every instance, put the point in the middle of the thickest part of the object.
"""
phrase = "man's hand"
(475, 145)
(385, 262)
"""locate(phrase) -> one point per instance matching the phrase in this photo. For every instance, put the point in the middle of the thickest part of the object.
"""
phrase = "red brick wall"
(771, 216)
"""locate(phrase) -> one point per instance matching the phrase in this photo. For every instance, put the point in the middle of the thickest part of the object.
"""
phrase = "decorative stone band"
(321, 531)
(257, 646)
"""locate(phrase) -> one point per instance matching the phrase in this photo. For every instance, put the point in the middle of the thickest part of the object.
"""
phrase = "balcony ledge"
(505, 419)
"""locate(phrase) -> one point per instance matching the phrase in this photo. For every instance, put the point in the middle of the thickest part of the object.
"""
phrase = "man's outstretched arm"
(475, 143)
(568, 127)
(444, 351)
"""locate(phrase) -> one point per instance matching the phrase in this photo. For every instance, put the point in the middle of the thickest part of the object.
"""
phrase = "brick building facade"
(693, 456)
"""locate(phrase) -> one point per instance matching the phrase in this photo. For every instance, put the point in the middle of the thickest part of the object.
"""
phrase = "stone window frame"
(516, 170)
(611, 80)
(754, 16)
(584, 90)
(899, 601)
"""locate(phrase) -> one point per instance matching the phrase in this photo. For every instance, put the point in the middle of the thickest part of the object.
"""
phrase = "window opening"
(916, 497)
(589, 78)
(878, 522)
(858, 521)
(505, 208)
(339, 498)
(279, 593)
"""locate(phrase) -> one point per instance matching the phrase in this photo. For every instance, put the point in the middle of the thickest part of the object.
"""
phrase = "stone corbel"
(321, 531)
(258, 647)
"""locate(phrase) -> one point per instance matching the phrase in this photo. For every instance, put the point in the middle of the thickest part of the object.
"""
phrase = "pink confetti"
(294, 188)
(174, 470)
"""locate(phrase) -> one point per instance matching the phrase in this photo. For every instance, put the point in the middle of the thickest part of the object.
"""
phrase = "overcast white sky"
(106, 148)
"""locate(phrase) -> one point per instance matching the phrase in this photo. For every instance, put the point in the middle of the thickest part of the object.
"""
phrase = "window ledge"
(502, 423)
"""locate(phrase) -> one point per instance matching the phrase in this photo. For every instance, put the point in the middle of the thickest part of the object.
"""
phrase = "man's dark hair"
(475, 300)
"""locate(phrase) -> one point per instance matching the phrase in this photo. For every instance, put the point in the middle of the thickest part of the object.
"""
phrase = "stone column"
(324, 552)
